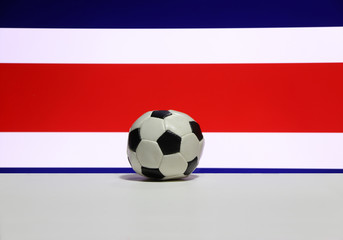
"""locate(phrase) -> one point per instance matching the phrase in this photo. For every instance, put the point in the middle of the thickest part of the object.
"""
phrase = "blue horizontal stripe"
(170, 13)
(198, 170)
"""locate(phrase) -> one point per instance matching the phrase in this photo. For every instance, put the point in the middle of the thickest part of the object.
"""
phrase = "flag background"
(265, 81)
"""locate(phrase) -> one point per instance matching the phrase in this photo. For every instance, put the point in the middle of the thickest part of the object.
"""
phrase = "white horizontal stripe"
(258, 45)
(222, 150)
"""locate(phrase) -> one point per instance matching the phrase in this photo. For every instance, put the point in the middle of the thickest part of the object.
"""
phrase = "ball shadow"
(138, 178)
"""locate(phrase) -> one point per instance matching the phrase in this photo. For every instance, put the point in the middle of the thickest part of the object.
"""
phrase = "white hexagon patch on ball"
(165, 144)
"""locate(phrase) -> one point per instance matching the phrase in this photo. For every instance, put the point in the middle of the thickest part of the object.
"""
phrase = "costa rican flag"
(263, 79)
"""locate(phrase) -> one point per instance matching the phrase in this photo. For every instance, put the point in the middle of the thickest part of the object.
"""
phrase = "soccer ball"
(165, 145)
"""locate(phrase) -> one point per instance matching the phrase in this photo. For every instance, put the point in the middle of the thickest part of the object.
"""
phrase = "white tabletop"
(204, 206)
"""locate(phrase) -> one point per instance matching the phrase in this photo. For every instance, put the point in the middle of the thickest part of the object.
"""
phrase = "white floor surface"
(204, 206)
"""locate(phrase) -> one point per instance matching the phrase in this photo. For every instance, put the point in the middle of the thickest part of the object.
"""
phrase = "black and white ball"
(165, 145)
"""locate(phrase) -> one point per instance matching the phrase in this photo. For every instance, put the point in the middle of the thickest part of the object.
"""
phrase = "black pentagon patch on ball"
(191, 166)
(169, 142)
(161, 114)
(152, 172)
(134, 139)
(196, 130)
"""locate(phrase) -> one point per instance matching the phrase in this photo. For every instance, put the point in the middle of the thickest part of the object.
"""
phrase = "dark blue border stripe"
(170, 13)
(66, 170)
(198, 170)
(265, 170)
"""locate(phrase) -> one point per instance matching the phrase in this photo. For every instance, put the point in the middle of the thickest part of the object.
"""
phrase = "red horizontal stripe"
(221, 97)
